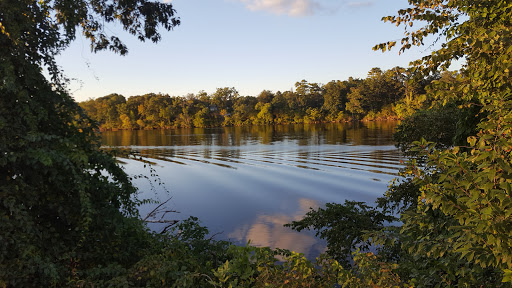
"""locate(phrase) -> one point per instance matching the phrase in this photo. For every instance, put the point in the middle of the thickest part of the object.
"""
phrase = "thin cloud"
(301, 8)
(295, 8)
(360, 4)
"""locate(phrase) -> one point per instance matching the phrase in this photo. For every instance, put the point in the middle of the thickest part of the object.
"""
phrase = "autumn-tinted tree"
(383, 95)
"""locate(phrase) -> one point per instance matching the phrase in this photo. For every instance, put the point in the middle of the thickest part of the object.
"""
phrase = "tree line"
(390, 94)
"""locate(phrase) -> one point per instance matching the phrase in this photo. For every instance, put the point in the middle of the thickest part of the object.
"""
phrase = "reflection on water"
(249, 181)
(268, 230)
(372, 133)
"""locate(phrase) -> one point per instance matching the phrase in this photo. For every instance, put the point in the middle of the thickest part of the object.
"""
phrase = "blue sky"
(247, 44)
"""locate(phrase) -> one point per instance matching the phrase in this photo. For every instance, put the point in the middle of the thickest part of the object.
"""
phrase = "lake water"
(246, 182)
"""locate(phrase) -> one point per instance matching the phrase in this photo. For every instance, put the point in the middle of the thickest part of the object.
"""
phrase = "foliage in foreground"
(455, 203)
(67, 210)
(186, 258)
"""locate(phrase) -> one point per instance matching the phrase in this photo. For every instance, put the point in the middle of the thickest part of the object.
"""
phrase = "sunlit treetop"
(477, 30)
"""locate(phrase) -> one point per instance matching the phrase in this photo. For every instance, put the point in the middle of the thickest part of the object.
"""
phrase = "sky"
(251, 45)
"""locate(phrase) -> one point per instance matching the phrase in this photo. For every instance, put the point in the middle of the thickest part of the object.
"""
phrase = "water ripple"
(377, 161)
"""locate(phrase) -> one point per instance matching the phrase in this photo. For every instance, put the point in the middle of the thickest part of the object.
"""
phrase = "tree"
(309, 94)
(157, 110)
(64, 201)
(264, 116)
(222, 101)
(456, 224)
(133, 109)
(265, 96)
(378, 90)
(470, 188)
(355, 101)
(335, 97)
(244, 110)
(223, 98)
(107, 112)
(202, 118)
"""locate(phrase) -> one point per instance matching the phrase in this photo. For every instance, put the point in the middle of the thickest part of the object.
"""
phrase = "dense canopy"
(64, 203)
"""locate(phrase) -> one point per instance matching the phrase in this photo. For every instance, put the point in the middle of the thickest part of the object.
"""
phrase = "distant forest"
(390, 94)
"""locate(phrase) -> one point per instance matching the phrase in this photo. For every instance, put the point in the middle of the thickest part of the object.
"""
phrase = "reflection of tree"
(127, 139)
(335, 133)
(225, 155)
(355, 133)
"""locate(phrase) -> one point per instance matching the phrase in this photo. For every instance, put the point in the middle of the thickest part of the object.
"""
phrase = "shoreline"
(251, 125)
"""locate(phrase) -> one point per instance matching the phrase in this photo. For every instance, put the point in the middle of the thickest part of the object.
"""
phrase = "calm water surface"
(246, 182)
